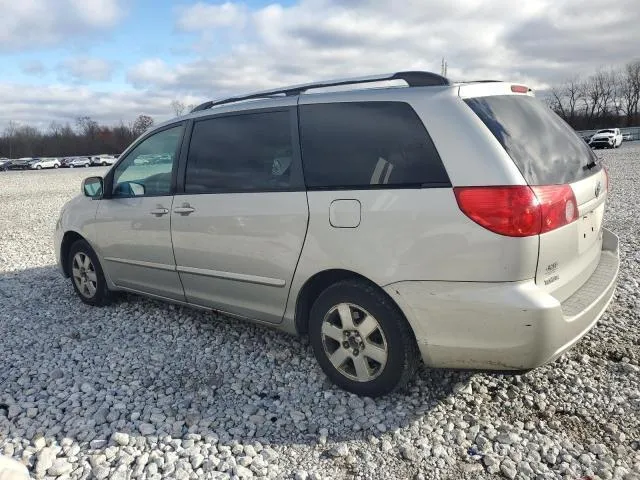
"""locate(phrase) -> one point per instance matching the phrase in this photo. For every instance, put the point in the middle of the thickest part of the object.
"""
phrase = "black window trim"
(406, 186)
(296, 164)
(108, 179)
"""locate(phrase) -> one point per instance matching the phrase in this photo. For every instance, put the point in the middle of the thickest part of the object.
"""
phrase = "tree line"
(608, 98)
(85, 137)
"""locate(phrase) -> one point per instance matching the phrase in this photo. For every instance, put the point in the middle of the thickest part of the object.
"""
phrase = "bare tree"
(9, 133)
(87, 126)
(177, 107)
(605, 83)
(142, 124)
(628, 81)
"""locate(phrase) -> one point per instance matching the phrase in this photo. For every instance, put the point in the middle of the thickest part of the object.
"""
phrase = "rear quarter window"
(363, 145)
(546, 150)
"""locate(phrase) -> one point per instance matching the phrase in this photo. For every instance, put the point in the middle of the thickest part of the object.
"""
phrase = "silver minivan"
(358, 217)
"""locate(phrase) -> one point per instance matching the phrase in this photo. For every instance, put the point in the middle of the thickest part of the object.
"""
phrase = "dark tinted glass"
(546, 150)
(250, 152)
(367, 145)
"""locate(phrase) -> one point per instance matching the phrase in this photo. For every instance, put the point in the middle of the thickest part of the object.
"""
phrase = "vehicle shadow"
(152, 369)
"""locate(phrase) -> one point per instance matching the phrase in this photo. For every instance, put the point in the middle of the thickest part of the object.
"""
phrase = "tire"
(56, 166)
(387, 355)
(71, 166)
(39, 167)
(86, 165)
(104, 164)
(99, 294)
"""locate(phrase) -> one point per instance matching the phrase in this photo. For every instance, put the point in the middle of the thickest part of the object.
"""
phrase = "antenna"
(443, 67)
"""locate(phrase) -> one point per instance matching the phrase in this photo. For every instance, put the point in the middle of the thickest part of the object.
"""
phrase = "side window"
(367, 145)
(147, 168)
(241, 153)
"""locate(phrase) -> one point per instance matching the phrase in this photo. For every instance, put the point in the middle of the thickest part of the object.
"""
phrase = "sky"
(116, 59)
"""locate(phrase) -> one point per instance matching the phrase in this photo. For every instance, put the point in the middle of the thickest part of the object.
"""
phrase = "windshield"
(605, 131)
(546, 150)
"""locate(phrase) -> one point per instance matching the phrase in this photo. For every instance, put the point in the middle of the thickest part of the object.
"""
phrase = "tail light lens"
(518, 211)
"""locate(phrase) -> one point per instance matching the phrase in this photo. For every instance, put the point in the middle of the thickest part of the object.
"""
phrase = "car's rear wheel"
(87, 275)
(104, 164)
(361, 340)
(38, 167)
(55, 165)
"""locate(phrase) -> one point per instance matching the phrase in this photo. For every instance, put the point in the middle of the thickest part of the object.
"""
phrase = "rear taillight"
(518, 211)
(558, 206)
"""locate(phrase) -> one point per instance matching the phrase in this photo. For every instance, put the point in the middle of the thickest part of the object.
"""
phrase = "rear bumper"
(504, 326)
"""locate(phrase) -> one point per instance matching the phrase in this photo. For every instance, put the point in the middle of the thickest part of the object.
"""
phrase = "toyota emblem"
(598, 188)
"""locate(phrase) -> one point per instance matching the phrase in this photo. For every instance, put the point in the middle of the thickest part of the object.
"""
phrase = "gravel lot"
(142, 389)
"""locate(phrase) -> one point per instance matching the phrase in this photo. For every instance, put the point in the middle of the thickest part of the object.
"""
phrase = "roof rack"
(413, 79)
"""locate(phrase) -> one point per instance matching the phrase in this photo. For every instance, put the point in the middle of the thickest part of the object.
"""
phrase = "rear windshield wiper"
(590, 165)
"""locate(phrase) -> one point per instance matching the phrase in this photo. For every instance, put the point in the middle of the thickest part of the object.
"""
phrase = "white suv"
(607, 138)
(358, 218)
(40, 163)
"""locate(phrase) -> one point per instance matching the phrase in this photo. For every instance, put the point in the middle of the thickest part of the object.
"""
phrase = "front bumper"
(504, 326)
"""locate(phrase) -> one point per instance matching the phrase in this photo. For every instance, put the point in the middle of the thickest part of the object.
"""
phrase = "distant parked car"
(3, 164)
(20, 163)
(626, 137)
(73, 162)
(40, 163)
(103, 160)
(606, 138)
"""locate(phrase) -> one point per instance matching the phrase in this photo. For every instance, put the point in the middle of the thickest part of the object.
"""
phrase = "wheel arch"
(68, 239)
(320, 281)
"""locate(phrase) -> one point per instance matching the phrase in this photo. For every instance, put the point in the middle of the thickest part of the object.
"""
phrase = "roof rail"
(413, 79)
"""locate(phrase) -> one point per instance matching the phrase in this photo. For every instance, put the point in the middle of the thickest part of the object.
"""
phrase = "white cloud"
(39, 106)
(205, 16)
(537, 42)
(29, 24)
(84, 69)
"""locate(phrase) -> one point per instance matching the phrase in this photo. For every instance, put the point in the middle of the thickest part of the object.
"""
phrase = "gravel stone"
(61, 466)
(120, 438)
(44, 460)
(12, 470)
(508, 469)
(339, 450)
(143, 389)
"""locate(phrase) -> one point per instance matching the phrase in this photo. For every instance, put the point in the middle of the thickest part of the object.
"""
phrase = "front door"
(239, 226)
(134, 224)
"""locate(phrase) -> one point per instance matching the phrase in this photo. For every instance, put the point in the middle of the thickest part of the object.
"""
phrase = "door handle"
(158, 212)
(184, 209)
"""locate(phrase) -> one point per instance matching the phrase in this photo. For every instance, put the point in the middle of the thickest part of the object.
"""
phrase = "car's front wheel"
(362, 340)
(87, 275)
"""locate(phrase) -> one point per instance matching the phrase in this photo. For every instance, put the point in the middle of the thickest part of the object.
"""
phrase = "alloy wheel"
(84, 275)
(354, 342)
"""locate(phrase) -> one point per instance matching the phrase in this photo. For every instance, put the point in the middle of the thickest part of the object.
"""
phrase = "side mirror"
(92, 187)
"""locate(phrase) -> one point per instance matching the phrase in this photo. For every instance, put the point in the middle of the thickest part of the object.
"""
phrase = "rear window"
(364, 145)
(545, 148)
